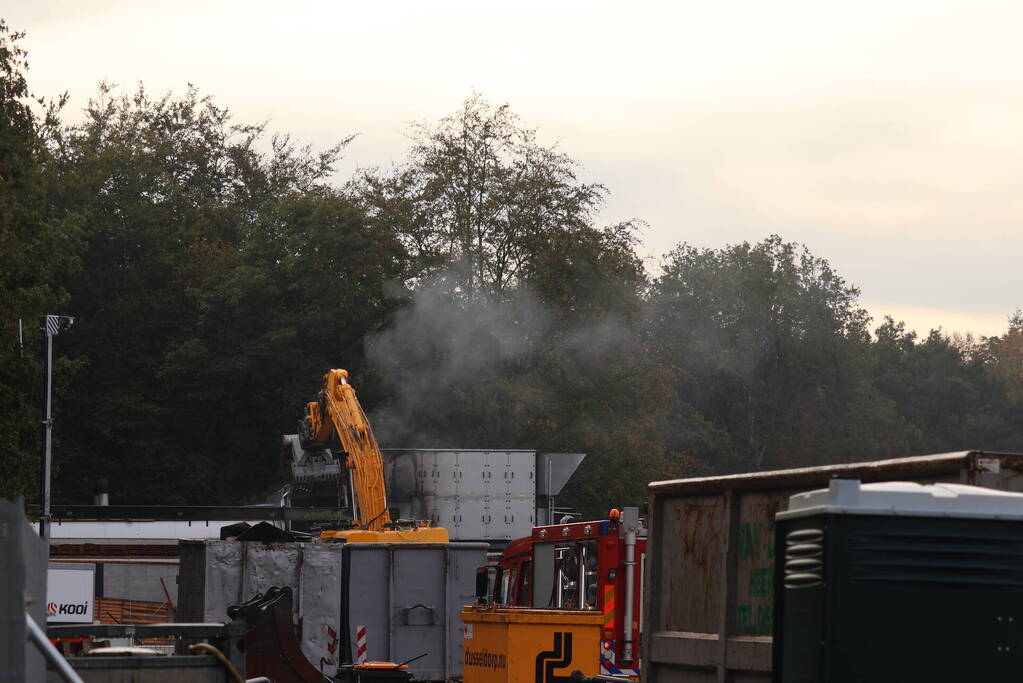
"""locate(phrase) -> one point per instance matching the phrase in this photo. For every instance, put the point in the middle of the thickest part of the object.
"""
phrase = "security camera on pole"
(50, 326)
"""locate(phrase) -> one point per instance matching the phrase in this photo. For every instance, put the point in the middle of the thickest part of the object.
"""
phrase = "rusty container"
(708, 602)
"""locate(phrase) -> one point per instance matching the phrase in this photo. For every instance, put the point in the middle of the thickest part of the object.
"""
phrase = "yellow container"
(522, 645)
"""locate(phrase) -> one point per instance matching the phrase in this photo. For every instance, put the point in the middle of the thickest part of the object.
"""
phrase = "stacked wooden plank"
(121, 611)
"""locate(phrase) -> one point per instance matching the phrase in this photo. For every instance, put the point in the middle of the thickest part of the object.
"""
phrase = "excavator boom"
(337, 411)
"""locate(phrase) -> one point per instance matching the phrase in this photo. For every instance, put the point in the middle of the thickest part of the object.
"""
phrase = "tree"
(38, 249)
(769, 350)
(943, 392)
(173, 193)
(1003, 355)
(470, 290)
(523, 313)
(308, 283)
(480, 201)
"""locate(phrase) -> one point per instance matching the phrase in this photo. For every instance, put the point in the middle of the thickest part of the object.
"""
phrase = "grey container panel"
(516, 515)
(267, 565)
(466, 491)
(448, 473)
(368, 594)
(319, 606)
(465, 473)
(409, 598)
(708, 607)
(23, 562)
(515, 474)
(482, 520)
(418, 614)
(461, 477)
(217, 574)
(36, 554)
(452, 475)
(427, 471)
(462, 564)
(223, 579)
(468, 478)
(462, 519)
(312, 570)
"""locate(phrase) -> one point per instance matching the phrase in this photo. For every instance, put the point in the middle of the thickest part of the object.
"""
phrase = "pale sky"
(884, 136)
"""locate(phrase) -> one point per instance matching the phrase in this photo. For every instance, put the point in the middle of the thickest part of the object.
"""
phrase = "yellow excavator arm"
(337, 411)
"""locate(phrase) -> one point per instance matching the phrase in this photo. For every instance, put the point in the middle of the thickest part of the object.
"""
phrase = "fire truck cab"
(594, 565)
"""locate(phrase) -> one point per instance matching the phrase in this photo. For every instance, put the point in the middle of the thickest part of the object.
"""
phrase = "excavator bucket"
(271, 646)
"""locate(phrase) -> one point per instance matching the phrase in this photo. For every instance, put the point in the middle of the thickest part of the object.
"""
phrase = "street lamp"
(50, 326)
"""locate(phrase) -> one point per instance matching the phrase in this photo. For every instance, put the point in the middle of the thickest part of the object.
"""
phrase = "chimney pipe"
(102, 492)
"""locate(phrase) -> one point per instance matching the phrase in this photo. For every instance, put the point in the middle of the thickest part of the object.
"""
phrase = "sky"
(883, 136)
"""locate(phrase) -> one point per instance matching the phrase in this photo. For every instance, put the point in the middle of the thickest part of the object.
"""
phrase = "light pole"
(50, 326)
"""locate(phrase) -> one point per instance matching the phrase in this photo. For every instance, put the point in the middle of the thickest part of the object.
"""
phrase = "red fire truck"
(583, 565)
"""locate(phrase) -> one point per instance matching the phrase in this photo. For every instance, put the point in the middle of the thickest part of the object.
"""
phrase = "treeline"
(217, 271)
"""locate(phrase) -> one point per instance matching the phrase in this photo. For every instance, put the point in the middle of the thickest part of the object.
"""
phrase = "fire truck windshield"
(571, 574)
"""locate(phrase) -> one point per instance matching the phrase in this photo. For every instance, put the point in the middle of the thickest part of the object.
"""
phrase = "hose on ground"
(206, 647)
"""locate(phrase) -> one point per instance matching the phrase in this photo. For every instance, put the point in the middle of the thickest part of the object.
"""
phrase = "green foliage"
(522, 330)
(216, 274)
(39, 249)
(178, 302)
(767, 344)
(481, 202)
(1003, 356)
(946, 390)
(305, 288)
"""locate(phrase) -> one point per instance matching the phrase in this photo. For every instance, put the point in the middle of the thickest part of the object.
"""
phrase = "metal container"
(406, 596)
(477, 495)
(708, 597)
(519, 645)
(217, 574)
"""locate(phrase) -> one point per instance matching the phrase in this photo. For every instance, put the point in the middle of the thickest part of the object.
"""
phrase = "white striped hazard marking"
(360, 644)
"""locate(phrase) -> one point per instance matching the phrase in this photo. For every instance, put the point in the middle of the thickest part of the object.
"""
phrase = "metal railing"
(37, 637)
